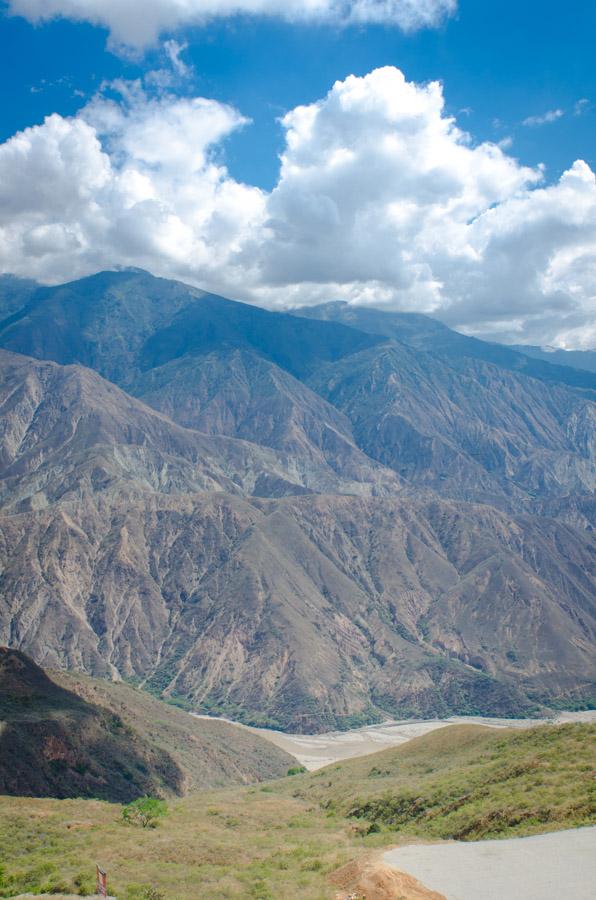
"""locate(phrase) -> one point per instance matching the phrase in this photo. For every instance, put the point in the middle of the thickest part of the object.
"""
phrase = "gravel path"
(556, 866)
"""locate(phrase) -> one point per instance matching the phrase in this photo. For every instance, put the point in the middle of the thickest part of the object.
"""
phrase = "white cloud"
(375, 184)
(173, 51)
(581, 106)
(545, 118)
(381, 199)
(129, 182)
(138, 25)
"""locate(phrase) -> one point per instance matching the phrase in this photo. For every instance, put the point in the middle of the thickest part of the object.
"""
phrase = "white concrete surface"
(556, 866)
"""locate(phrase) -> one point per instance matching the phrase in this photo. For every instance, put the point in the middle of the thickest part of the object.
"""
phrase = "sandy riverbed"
(317, 750)
(556, 866)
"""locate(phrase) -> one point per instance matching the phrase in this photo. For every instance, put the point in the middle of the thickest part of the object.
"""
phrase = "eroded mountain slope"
(431, 336)
(65, 735)
(470, 431)
(66, 432)
(297, 552)
(305, 612)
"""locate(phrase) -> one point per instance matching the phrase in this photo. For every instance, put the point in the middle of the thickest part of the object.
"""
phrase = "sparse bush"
(375, 772)
(84, 884)
(143, 892)
(144, 812)
(296, 770)
(312, 865)
(260, 891)
(55, 887)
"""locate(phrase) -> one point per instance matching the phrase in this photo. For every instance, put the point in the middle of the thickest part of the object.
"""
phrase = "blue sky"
(502, 60)
(167, 147)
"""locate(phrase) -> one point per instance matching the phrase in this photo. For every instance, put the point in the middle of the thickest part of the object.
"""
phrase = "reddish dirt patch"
(371, 879)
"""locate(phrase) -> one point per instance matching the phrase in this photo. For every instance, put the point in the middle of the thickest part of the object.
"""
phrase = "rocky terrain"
(471, 431)
(424, 333)
(294, 522)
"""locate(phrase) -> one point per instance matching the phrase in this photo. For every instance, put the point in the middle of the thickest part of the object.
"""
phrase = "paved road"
(556, 866)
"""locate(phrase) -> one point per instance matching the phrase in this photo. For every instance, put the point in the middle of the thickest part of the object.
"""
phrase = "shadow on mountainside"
(55, 744)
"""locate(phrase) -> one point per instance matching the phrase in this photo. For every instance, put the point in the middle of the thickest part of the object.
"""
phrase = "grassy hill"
(73, 736)
(467, 782)
(291, 837)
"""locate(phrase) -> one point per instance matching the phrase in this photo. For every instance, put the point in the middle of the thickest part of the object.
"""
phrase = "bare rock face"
(305, 612)
(300, 525)
(469, 429)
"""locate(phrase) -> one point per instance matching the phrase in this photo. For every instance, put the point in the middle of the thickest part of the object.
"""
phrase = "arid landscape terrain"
(237, 537)
(310, 527)
(297, 450)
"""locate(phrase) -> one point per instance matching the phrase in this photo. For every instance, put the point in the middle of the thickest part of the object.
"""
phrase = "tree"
(144, 812)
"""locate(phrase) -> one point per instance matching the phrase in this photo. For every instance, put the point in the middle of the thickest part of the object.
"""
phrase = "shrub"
(144, 812)
(296, 770)
(84, 884)
(143, 892)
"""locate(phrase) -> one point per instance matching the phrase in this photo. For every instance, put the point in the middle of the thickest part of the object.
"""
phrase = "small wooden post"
(102, 882)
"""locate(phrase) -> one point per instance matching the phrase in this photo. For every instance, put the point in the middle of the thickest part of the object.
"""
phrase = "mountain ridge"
(422, 332)
(382, 530)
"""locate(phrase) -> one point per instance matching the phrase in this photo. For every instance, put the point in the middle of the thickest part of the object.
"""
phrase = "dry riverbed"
(317, 750)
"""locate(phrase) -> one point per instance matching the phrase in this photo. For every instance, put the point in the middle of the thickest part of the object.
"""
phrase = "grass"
(221, 844)
(284, 838)
(470, 783)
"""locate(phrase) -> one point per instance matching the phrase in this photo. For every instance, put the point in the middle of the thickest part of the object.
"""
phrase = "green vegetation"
(227, 709)
(469, 783)
(285, 838)
(144, 812)
(143, 892)
(368, 716)
(296, 770)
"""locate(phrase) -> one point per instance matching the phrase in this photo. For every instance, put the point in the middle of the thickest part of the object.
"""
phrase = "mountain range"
(305, 519)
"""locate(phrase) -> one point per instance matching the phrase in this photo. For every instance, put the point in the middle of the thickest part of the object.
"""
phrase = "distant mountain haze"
(424, 333)
(304, 520)
(579, 359)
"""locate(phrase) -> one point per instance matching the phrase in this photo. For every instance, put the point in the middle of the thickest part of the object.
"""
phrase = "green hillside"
(467, 782)
(74, 736)
(287, 838)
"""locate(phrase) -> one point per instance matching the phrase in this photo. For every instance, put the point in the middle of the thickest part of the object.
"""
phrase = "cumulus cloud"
(130, 26)
(378, 167)
(132, 181)
(381, 199)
